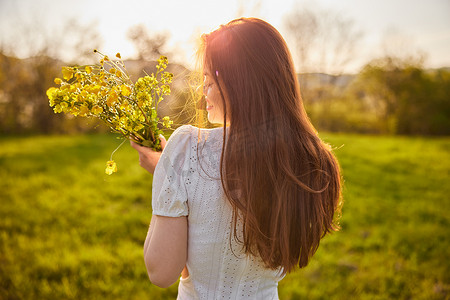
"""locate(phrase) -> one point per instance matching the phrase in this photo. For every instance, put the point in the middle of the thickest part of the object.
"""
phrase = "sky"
(408, 26)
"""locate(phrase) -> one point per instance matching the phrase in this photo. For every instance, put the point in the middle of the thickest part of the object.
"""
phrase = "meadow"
(69, 231)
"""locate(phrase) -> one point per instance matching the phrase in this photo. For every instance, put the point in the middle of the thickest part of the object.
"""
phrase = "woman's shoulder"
(197, 143)
(179, 141)
(188, 127)
(183, 130)
(197, 133)
(187, 136)
(182, 134)
(189, 145)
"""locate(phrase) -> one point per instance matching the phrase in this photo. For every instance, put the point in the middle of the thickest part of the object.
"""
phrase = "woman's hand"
(148, 158)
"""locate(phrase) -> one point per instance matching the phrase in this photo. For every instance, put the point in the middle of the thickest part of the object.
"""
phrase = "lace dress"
(187, 185)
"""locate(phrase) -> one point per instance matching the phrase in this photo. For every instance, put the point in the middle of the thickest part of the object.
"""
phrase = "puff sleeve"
(169, 193)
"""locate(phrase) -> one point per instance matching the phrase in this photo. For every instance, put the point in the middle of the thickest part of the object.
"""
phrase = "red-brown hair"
(281, 179)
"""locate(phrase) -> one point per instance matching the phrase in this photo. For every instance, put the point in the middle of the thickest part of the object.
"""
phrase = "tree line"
(389, 95)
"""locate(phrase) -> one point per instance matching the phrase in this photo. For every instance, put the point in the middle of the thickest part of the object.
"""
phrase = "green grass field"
(69, 231)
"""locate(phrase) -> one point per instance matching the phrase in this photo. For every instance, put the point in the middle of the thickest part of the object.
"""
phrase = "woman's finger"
(135, 145)
(163, 141)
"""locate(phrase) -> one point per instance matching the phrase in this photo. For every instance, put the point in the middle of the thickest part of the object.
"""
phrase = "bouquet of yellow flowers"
(105, 91)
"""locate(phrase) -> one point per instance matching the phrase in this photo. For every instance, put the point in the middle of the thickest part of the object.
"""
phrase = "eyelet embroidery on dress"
(231, 274)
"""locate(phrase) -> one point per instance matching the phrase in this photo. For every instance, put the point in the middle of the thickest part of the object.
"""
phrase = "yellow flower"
(79, 76)
(138, 127)
(64, 106)
(95, 89)
(51, 93)
(167, 122)
(167, 77)
(57, 109)
(111, 167)
(123, 121)
(124, 105)
(97, 110)
(112, 98)
(162, 62)
(165, 90)
(67, 72)
(140, 84)
(143, 98)
(92, 98)
(83, 111)
(106, 92)
(126, 91)
(74, 111)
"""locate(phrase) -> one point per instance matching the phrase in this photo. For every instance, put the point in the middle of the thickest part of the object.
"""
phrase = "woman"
(237, 207)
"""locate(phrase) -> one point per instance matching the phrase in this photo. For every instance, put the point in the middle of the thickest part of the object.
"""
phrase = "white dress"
(184, 185)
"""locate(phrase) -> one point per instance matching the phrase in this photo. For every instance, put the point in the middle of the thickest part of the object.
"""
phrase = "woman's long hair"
(282, 180)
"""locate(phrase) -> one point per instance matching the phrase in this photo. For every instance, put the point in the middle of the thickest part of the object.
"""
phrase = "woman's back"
(241, 216)
(217, 266)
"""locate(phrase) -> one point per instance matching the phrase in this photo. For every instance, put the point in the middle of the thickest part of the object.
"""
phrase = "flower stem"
(117, 148)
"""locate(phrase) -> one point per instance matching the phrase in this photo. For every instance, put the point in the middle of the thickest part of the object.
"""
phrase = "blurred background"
(385, 65)
(375, 80)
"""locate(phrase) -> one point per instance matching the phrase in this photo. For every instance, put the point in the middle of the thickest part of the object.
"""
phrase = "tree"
(324, 41)
(406, 98)
(23, 82)
(149, 46)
